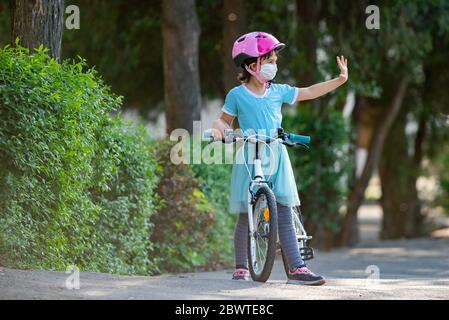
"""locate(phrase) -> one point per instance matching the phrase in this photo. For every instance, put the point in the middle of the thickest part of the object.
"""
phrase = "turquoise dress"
(261, 114)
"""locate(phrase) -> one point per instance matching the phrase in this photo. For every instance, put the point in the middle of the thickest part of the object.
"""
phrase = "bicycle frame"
(257, 180)
(301, 234)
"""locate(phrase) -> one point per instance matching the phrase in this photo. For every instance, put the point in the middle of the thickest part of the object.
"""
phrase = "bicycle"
(263, 240)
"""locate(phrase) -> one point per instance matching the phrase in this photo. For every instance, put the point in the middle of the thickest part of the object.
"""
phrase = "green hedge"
(79, 186)
(214, 181)
(192, 229)
(76, 184)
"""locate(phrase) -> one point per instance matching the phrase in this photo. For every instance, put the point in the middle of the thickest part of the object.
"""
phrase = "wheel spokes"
(261, 234)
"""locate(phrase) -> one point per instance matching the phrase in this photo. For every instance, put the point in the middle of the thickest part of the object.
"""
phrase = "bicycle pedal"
(306, 253)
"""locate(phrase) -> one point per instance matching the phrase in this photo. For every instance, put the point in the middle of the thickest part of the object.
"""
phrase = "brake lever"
(303, 145)
(288, 143)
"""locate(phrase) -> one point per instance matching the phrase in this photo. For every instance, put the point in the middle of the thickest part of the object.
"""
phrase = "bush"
(79, 186)
(76, 185)
(192, 228)
(214, 182)
(322, 173)
(183, 219)
(125, 184)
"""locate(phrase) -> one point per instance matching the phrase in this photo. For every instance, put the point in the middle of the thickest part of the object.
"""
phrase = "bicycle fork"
(258, 180)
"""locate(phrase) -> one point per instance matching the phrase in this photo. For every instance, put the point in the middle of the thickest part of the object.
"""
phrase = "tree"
(38, 22)
(130, 55)
(399, 169)
(401, 162)
(234, 25)
(308, 13)
(180, 35)
(5, 24)
(350, 225)
(390, 65)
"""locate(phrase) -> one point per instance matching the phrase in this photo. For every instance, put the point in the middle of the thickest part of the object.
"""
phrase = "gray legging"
(286, 235)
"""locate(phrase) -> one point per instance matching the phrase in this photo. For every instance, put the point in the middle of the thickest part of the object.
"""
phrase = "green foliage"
(323, 172)
(214, 182)
(192, 227)
(124, 184)
(183, 219)
(378, 58)
(76, 184)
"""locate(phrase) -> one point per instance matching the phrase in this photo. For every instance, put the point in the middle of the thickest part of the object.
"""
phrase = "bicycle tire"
(272, 238)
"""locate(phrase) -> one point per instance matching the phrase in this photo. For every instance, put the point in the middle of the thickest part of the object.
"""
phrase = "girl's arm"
(226, 121)
(319, 89)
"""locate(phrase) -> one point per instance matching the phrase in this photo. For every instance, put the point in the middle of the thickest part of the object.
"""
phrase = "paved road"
(408, 269)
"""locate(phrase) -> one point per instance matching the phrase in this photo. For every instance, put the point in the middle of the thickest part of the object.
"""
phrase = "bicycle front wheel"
(262, 243)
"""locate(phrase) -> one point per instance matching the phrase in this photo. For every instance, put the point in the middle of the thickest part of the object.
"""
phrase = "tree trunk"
(38, 22)
(359, 107)
(180, 35)
(234, 25)
(308, 16)
(399, 172)
(350, 232)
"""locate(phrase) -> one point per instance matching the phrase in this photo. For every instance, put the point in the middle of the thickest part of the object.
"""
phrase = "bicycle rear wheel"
(262, 244)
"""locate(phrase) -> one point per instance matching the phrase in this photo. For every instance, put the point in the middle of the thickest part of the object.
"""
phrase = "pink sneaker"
(241, 274)
(303, 275)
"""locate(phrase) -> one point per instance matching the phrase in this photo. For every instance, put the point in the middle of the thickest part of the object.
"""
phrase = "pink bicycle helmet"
(254, 45)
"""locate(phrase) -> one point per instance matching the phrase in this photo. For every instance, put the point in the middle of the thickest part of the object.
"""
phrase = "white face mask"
(268, 70)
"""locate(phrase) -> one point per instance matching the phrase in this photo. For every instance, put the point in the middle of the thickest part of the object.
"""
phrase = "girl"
(256, 104)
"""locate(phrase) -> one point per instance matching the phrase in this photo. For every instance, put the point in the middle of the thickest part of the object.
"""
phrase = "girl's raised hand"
(343, 65)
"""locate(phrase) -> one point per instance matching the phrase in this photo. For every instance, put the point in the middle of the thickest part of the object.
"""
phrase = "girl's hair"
(244, 76)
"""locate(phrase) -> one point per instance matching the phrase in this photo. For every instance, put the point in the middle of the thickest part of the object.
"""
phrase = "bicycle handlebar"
(298, 138)
(289, 139)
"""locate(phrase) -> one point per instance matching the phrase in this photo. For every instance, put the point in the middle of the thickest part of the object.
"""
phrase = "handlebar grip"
(207, 134)
(299, 138)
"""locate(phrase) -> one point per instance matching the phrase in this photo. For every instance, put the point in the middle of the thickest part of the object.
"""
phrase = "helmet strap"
(257, 73)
